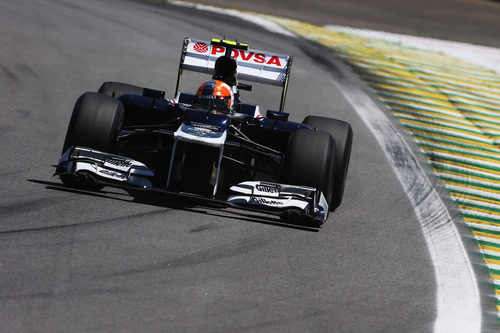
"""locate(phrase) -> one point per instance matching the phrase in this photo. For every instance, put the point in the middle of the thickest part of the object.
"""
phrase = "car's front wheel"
(341, 132)
(95, 123)
(308, 161)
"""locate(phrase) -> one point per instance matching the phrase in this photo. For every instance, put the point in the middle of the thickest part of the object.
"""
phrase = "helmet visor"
(213, 103)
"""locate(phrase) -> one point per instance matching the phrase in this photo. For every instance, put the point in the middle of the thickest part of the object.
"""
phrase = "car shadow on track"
(172, 202)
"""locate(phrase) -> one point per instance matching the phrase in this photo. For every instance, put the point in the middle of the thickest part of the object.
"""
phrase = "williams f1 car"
(210, 145)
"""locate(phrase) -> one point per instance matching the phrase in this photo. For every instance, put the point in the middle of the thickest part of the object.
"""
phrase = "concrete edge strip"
(489, 56)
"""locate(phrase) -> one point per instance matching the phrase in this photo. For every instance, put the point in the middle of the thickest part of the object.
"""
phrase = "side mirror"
(153, 93)
(186, 98)
(243, 86)
(277, 115)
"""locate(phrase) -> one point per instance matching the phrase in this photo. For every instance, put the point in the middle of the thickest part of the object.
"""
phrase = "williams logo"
(268, 202)
(267, 189)
(119, 163)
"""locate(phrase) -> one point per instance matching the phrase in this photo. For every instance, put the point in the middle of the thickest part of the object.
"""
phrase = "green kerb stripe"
(482, 242)
(437, 132)
(481, 218)
(492, 232)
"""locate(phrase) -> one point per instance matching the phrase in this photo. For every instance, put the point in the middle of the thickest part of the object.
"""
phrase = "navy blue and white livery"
(210, 148)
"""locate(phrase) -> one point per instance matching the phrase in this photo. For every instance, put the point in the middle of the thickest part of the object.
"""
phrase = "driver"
(221, 94)
(215, 95)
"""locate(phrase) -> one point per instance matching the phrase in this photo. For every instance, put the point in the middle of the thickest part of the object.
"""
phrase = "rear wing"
(253, 65)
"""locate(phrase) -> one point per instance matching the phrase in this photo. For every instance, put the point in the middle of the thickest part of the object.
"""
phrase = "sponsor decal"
(213, 128)
(112, 174)
(201, 132)
(268, 189)
(200, 47)
(119, 163)
(269, 202)
(248, 56)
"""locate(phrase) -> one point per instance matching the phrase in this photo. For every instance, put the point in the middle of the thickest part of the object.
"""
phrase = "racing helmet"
(215, 95)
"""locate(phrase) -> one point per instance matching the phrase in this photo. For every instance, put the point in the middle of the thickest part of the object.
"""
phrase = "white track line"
(458, 301)
(266, 24)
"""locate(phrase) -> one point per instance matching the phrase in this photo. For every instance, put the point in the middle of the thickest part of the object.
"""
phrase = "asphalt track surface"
(79, 261)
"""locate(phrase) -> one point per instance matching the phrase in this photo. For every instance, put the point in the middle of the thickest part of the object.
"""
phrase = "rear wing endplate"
(253, 65)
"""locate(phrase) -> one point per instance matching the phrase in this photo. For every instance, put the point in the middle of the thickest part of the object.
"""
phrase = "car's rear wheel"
(94, 124)
(341, 132)
(116, 89)
(308, 161)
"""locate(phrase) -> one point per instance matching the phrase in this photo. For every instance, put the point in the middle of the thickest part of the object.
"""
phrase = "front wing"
(293, 203)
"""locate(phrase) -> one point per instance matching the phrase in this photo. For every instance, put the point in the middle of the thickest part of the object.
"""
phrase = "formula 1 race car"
(210, 145)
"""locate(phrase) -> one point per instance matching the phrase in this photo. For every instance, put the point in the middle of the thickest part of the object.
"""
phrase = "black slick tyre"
(95, 122)
(308, 161)
(341, 132)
